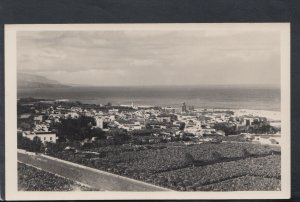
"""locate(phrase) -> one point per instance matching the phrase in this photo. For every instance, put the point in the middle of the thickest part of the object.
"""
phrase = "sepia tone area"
(160, 110)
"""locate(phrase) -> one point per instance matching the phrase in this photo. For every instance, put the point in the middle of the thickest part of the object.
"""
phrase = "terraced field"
(33, 179)
(266, 169)
(191, 168)
(245, 183)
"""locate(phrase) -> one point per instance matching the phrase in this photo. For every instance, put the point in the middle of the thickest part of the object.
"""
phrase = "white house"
(43, 135)
(113, 111)
(269, 141)
(164, 118)
(72, 115)
(99, 122)
(38, 118)
(129, 125)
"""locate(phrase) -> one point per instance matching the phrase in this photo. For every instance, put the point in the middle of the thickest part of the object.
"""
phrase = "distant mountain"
(34, 81)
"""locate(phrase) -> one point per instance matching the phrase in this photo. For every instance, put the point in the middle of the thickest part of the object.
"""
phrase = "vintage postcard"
(147, 111)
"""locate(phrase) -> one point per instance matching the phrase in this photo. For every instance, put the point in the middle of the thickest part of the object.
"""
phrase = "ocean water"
(243, 97)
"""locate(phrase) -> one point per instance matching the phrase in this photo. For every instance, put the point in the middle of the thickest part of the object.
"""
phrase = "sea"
(221, 97)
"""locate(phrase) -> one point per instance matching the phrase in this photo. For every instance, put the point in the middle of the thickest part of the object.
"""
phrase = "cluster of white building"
(196, 121)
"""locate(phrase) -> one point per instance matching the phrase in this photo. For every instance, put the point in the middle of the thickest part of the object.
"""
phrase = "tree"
(98, 132)
(181, 126)
(76, 129)
(54, 148)
(148, 126)
(24, 125)
(142, 132)
(120, 136)
(34, 145)
(229, 130)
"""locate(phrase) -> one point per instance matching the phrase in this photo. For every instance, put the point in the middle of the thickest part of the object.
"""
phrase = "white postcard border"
(12, 192)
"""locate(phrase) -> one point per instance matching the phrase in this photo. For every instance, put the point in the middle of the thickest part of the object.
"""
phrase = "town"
(191, 107)
(51, 121)
(183, 149)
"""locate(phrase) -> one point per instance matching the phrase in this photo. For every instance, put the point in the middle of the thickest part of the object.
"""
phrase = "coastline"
(199, 97)
(271, 115)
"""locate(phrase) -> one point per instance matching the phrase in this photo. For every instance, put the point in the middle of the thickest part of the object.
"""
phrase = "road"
(98, 179)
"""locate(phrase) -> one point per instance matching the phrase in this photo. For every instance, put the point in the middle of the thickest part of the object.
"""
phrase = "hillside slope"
(34, 81)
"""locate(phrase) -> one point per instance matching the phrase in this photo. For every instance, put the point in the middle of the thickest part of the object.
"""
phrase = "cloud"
(151, 57)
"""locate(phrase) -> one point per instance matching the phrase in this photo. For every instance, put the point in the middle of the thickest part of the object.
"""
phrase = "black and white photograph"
(148, 111)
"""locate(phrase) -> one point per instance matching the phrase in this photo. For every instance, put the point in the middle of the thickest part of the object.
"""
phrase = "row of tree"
(34, 145)
(256, 129)
(77, 129)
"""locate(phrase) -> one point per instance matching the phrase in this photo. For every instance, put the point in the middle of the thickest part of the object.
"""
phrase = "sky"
(147, 58)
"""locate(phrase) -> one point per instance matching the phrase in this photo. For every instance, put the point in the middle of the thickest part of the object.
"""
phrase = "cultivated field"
(33, 179)
(204, 167)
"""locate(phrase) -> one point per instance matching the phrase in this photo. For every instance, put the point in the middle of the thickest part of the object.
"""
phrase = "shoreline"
(198, 97)
(272, 115)
(137, 103)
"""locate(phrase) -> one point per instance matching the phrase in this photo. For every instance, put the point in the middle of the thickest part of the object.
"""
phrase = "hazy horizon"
(174, 85)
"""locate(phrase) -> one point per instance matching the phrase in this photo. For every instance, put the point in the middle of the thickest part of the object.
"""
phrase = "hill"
(35, 81)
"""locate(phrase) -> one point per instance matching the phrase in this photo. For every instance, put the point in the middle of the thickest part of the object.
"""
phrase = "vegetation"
(242, 184)
(182, 125)
(228, 129)
(206, 163)
(33, 179)
(34, 145)
(153, 155)
(263, 129)
(256, 128)
(193, 179)
(77, 129)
